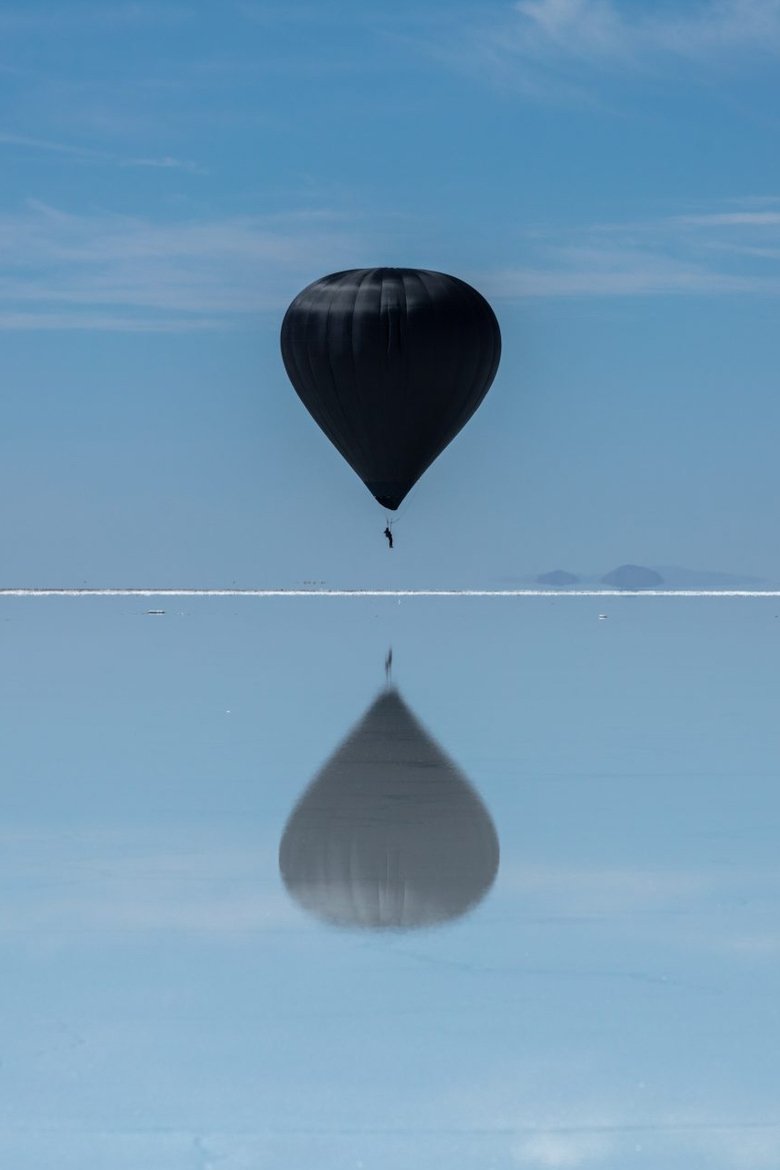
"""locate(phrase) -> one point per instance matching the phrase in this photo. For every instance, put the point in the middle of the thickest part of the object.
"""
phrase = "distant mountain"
(632, 577)
(643, 577)
(558, 577)
(677, 577)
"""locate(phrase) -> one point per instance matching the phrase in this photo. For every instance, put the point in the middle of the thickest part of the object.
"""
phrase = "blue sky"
(605, 172)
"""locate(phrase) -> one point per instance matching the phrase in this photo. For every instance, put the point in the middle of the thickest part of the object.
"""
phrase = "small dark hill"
(557, 577)
(632, 577)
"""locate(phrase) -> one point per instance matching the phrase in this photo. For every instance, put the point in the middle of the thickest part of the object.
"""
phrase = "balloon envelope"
(391, 363)
(390, 834)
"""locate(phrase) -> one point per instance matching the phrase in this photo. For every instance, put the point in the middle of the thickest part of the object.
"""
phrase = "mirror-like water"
(173, 999)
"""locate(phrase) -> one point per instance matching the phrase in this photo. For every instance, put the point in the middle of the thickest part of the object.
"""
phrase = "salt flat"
(609, 1001)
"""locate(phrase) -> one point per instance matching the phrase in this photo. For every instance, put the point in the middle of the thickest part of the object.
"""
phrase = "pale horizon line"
(186, 592)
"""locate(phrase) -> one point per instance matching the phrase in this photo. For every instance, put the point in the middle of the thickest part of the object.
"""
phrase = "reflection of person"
(389, 536)
(389, 664)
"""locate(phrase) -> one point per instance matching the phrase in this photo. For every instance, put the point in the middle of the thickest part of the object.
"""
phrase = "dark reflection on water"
(389, 835)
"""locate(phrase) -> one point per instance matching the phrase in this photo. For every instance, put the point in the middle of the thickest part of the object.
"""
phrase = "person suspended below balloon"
(391, 363)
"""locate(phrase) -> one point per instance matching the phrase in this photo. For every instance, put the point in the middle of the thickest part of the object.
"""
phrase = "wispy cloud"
(702, 253)
(566, 1108)
(134, 883)
(104, 271)
(92, 154)
(613, 272)
(560, 48)
(105, 322)
(724, 1145)
(623, 33)
(608, 891)
(562, 1150)
(756, 219)
(165, 162)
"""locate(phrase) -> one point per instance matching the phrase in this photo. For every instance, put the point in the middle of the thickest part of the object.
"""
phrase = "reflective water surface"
(253, 914)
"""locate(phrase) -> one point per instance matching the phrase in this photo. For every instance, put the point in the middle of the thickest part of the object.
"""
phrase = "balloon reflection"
(390, 834)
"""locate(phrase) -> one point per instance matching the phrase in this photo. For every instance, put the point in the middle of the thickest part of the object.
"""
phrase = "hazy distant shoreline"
(314, 592)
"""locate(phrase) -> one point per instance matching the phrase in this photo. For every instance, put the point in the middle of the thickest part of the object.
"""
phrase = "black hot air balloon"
(391, 363)
(390, 835)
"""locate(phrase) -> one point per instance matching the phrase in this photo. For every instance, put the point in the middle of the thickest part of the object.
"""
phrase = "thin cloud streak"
(133, 884)
(565, 50)
(707, 253)
(554, 1150)
(92, 154)
(611, 276)
(758, 219)
(105, 323)
(112, 272)
(616, 31)
(570, 1110)
(126, 273)
(725, 1144)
